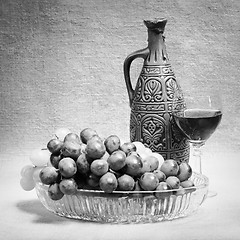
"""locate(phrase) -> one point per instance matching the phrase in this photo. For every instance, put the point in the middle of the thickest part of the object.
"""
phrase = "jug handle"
(143, 53)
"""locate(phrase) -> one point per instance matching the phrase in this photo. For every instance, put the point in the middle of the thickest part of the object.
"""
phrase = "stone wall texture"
(61, 63)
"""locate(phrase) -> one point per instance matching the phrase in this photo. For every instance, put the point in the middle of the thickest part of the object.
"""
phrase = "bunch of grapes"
(39, 159)
(86, 161)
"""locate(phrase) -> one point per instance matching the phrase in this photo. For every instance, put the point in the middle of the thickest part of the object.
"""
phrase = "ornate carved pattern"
(153, 131)
(167, 70)
(150, 107)
(151, 70)
(171, 86)
(152, 90)
(151, 121)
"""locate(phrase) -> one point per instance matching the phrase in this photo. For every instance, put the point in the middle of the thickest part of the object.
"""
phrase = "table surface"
(24, 217)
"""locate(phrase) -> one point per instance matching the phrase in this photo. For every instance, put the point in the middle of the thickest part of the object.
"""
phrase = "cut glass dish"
(128, 207)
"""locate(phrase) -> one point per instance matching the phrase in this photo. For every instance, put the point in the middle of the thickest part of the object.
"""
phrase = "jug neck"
(157, 48)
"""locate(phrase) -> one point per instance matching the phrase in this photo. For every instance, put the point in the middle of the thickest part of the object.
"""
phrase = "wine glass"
(197, 115)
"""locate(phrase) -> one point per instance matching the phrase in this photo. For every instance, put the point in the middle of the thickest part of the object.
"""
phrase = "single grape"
(128, 147)
(55, 146)
(148, 181)
(67, 167)
(185, 171)
(126, 183)
(72, 137)
(153, 162)
(27, 171)
(173, 182)
(99, 167)
(108, 182)
(163, 190)
(117, 160)
(170, 167)
(40, 157)
(95, 149)
(86, 134)
(112, 143)
(133, 164)
(71, 149)
(49, 175)
(68, 186)
(27, 184)
(83, 166)
(54, 192)
(61, 133)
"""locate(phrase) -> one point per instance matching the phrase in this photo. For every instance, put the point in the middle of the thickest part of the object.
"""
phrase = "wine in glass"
(197, 115)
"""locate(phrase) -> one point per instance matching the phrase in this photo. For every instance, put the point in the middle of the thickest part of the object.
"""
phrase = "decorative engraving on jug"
(163, 70)
(151, 121)
(171, 87)
(152, 70)
(153, 129)
(167, 70)
(150, 107)
(152, 91)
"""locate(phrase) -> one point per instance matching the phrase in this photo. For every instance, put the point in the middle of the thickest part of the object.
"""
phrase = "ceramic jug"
(151, 121)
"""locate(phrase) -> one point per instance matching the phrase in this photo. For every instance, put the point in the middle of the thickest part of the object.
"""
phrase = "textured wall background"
(61, 63)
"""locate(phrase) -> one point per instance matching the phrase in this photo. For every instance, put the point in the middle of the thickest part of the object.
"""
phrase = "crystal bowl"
(128, 206)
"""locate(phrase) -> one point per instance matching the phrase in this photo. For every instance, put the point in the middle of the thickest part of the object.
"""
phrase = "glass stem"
(197, 158)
